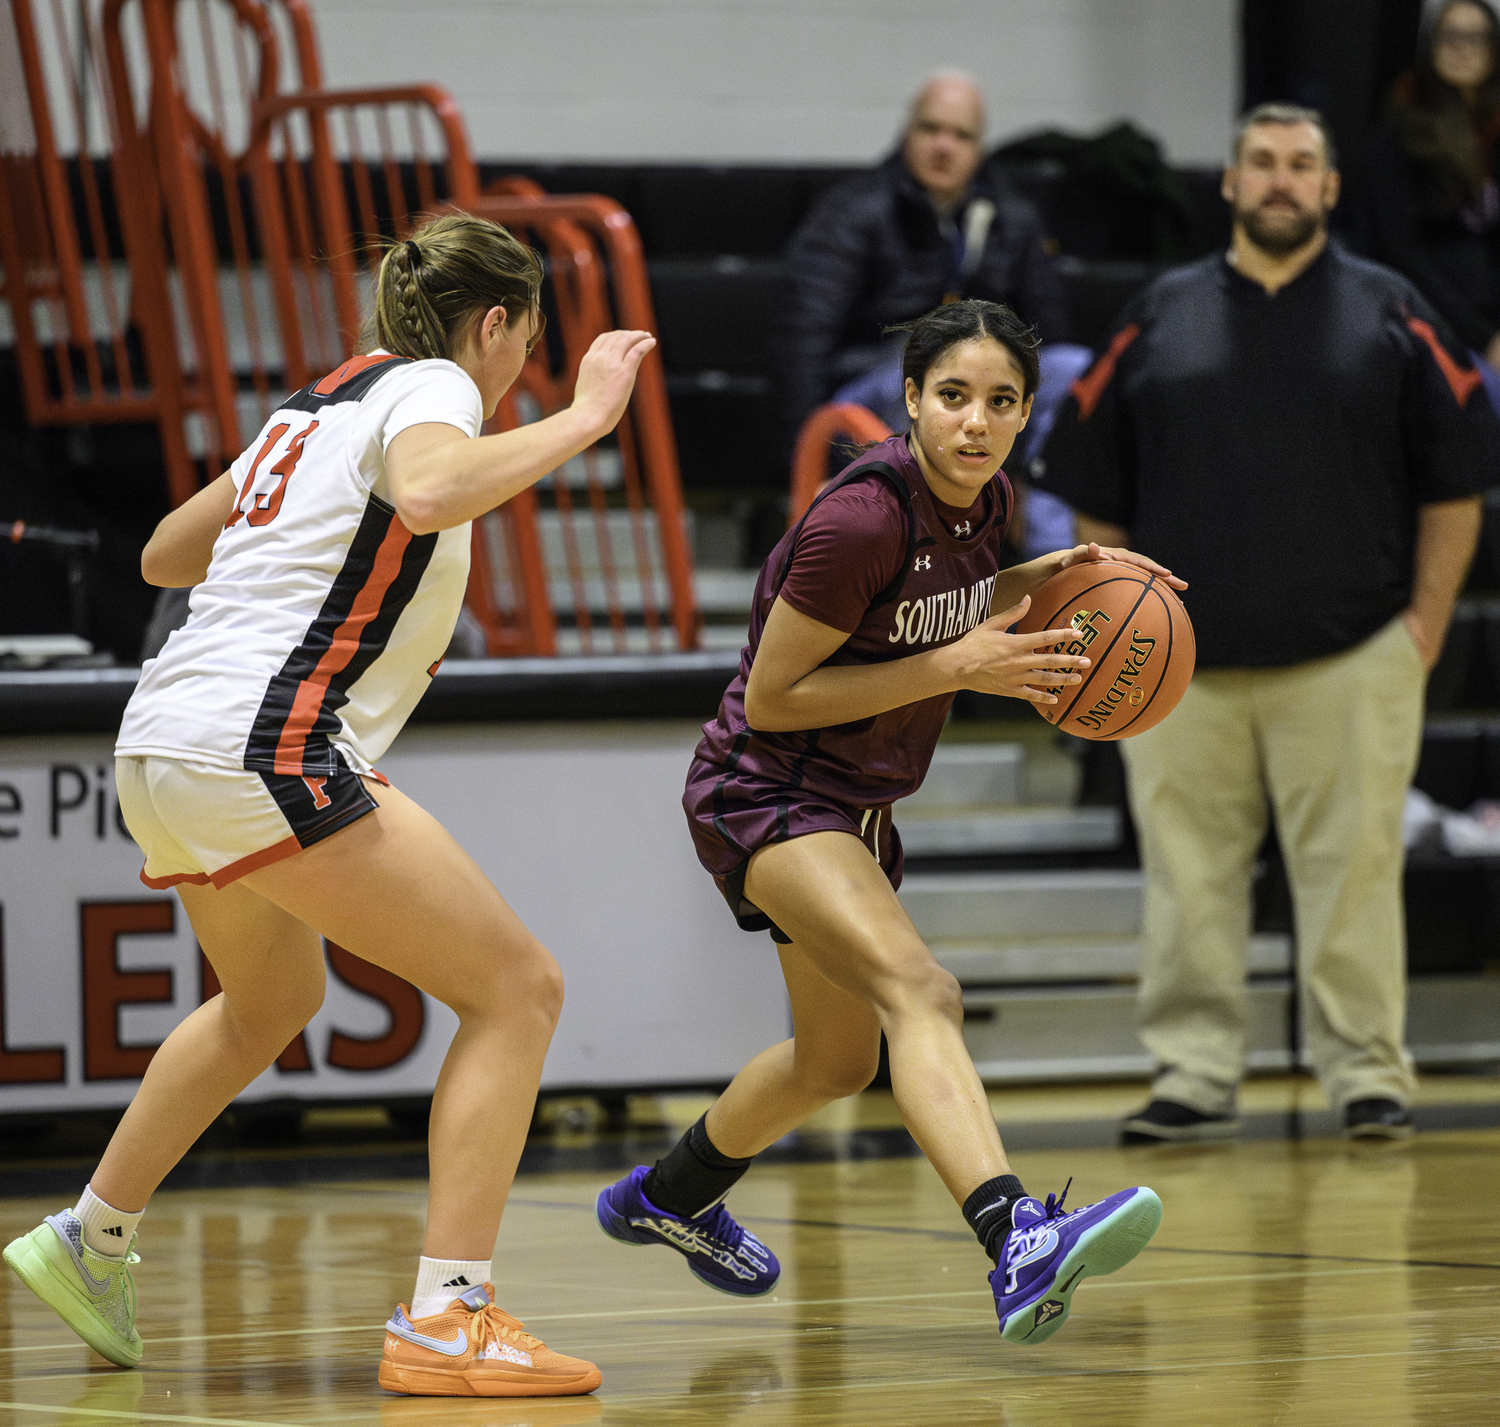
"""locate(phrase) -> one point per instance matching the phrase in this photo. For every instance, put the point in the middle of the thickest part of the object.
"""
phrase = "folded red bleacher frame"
(815, 441)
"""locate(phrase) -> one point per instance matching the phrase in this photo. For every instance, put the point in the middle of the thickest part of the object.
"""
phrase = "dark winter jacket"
(1448, 248)
(872, 252)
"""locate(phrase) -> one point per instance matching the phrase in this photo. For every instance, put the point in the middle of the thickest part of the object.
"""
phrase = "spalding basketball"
(1137, 636)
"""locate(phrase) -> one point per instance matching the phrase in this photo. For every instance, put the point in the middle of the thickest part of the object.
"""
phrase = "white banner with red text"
(579, 826)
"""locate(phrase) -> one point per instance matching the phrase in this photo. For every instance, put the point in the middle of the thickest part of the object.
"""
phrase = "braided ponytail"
(433, 286)
(414, 328)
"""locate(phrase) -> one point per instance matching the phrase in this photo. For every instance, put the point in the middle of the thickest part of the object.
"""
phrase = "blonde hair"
(451, 270)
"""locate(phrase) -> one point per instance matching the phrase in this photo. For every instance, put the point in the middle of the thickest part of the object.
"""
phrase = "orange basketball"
(1137, 636)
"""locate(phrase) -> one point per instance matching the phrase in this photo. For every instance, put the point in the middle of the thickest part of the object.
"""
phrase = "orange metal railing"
(255, 215)
(627, 557)
(94, 338)
(310, 186)
(322, 238)
(810, 456)
(253, 192)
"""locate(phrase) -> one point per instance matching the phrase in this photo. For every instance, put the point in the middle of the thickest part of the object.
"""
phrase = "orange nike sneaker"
(476, 1350)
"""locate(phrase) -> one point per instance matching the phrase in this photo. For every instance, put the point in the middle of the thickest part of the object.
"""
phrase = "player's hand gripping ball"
(1137, 636)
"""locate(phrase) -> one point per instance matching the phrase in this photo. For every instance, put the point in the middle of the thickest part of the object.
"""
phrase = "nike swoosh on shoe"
(97, 1286)
(449, 1347)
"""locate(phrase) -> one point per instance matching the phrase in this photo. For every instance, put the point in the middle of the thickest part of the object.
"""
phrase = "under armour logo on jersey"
(924, 562)
(962, 530)
(315, 787)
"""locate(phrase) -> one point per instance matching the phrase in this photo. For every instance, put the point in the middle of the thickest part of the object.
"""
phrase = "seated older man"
(923, 227)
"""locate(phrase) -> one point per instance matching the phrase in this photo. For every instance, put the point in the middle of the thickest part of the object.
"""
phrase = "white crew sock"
(106, 1230)
(440, 1281)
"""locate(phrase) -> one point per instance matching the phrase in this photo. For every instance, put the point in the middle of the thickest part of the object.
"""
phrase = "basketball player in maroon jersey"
(885, 600)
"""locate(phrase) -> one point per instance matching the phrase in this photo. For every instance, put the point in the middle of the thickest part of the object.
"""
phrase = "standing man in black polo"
(1294, 431)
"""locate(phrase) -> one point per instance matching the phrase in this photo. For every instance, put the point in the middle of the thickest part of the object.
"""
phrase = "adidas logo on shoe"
(116, 1231)
(459, 1282)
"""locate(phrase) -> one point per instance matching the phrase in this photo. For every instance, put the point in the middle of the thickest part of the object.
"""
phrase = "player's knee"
(309, 998)
(947, 994)
(922, 985)
(301, 1000)
(267, 1022)
(535, 978)
(839, 1079)
(547, 984)
(524, 981)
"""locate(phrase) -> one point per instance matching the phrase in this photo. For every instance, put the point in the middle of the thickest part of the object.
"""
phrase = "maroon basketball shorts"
(731, 816)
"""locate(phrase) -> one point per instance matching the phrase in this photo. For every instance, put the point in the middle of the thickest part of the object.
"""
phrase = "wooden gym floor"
(1293, 1281)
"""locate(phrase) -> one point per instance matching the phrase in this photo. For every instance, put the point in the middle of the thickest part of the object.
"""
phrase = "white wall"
(789, 80)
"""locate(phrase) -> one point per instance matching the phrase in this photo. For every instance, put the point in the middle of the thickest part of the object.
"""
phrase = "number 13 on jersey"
(263, 506)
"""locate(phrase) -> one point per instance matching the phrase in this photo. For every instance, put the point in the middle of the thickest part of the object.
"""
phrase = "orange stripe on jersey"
(1087, 390)
(352, 368)
(344, 645)
(1461, 381)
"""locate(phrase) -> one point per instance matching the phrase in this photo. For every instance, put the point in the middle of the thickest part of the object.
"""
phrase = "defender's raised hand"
(606, 376)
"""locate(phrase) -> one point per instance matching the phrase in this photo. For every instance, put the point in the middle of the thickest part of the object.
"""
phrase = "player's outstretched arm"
(790, 689)
(439, 478)
(178, 552)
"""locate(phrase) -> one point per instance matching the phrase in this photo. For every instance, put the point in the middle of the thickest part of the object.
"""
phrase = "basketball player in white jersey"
(330, 564)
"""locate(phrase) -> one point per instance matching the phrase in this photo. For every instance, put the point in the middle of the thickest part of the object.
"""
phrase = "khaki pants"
(1333, 743)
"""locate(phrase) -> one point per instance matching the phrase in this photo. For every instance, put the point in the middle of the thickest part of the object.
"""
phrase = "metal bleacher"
(252, 208)
(1028, 895)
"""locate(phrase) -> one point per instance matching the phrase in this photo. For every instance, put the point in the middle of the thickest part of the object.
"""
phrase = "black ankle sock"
(988, 1208)
(692, 1175)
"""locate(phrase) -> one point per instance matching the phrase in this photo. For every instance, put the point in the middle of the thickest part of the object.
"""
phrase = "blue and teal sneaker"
(718, 1250)
(1050, 1251)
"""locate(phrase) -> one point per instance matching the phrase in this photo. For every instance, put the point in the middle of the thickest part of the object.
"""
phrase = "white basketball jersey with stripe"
(322, 618)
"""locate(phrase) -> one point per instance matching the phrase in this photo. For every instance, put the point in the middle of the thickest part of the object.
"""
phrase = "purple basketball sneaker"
(718, 1250)
(1049, 1251)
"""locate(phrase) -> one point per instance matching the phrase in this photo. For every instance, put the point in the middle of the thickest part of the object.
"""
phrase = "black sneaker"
(1166, 1120)
(1376, 1119)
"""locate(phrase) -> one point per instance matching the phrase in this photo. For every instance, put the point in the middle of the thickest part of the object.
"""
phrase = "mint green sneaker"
(92, 1294)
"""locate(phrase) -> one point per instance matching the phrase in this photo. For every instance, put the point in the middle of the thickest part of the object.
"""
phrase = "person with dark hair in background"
(883, 601)
(1432, 180)
(1295, 429)
(928, 225)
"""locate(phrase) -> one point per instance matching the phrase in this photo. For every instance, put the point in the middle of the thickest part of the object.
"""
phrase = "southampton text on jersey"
(943, 616)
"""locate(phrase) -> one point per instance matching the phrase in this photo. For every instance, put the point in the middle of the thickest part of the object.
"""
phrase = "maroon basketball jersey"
(903, 575)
